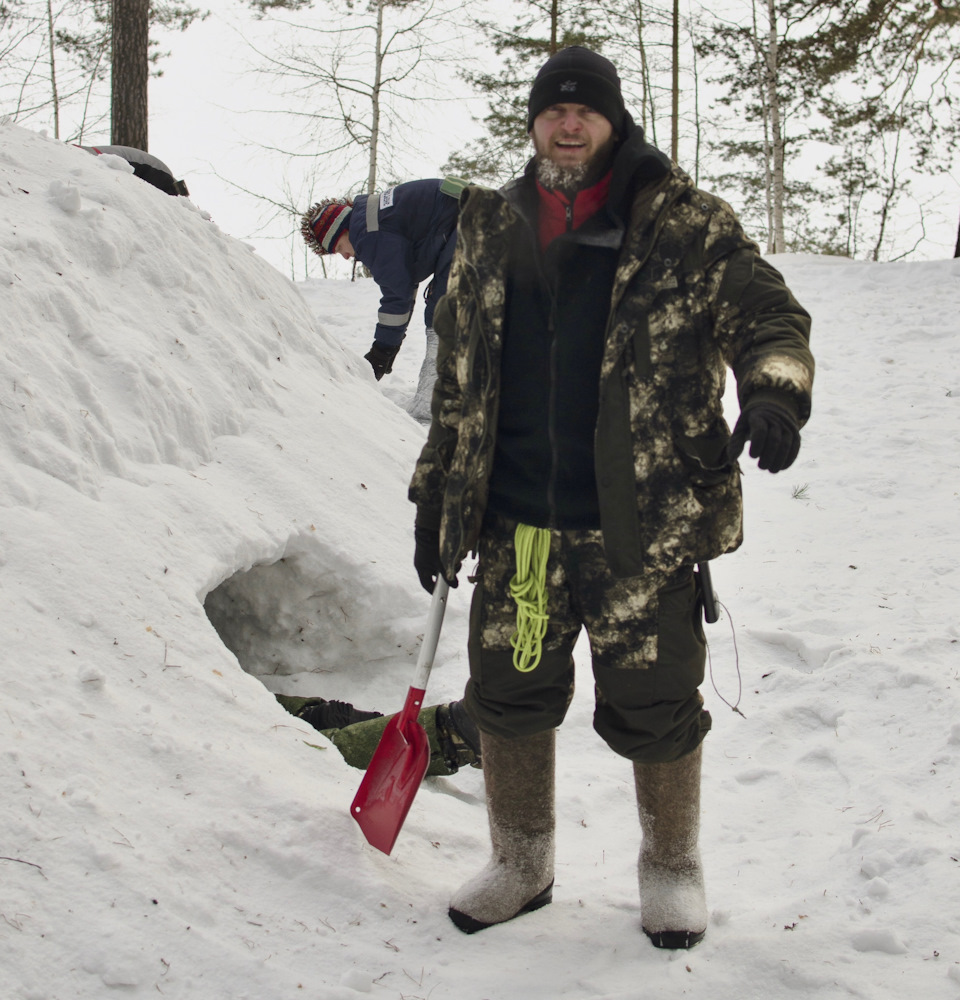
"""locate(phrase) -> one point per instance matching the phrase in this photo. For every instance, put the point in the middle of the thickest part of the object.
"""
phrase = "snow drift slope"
(171, 415)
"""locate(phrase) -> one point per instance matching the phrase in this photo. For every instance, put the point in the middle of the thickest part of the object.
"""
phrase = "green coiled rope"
(529, 589)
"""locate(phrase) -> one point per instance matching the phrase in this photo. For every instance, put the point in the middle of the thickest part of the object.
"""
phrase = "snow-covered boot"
(419, 407)
(673, 905)
(518, 775)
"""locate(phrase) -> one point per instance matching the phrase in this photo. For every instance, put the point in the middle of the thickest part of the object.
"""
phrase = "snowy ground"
(181, 425)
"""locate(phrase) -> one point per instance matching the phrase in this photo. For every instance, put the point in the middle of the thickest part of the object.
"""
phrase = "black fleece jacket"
(557, 306)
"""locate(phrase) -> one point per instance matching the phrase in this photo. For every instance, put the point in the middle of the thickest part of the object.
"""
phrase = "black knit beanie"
(576, 75)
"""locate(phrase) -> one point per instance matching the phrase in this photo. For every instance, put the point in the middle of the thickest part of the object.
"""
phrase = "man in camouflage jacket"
(593, 308)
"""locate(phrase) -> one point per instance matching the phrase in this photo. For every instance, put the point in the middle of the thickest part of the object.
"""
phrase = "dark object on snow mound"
(145, 166)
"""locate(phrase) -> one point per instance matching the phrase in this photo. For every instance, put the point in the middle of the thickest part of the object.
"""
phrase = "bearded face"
(574, 145)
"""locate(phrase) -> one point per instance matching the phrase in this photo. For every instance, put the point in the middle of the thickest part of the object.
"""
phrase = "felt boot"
(419, 406)
(673, 905)
(519, 780)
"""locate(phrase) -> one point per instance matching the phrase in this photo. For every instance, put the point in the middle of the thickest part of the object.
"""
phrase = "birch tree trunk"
(375, 102)
(761, 69)
(53, 72)
(776, 133)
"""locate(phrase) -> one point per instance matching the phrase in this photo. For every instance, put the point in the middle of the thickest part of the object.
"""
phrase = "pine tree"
(899, 57)
(540, 30)
(870, 79)
(645, 41)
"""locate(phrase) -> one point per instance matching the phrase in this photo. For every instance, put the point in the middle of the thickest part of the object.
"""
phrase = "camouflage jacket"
(691, 296)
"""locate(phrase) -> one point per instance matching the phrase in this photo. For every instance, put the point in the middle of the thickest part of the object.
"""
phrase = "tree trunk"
(128, 90)
(675, 84)
(696, 110)
(646, 100)
(53, 72)
(761, 64)
(773, 100)
(375, 103)
(956, 252)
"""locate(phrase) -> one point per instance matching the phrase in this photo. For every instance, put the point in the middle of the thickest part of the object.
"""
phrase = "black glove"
(381, 358)
(774, 436)
(426, 557)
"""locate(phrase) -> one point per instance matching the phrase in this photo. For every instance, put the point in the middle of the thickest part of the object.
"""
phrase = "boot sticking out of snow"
(452, 734)
(519, 780)
(323, 714)
(673, 905)
(419, 406)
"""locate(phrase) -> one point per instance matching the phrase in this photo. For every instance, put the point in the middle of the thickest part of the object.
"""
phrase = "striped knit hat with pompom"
(325, 223)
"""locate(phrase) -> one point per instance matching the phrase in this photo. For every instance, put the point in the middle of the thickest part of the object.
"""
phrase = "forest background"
(830, 126)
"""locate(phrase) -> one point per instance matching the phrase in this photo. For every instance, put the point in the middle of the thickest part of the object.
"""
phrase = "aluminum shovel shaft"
(431, 635)
(401, 759)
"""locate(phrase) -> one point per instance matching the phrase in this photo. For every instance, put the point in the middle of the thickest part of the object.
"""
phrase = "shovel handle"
(431, 636)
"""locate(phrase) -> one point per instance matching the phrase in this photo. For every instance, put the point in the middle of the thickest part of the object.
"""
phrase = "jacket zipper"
(552, 512)
(552, 423)
(553, 443)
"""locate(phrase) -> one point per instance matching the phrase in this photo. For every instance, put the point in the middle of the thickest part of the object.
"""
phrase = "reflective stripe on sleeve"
(373, 215)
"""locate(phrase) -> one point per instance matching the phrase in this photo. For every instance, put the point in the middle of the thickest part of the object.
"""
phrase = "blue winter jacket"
(403, 236)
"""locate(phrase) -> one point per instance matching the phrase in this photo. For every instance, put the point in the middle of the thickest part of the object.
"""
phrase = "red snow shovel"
(401, 759)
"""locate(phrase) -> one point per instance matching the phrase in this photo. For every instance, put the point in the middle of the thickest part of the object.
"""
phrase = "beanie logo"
(568, 86)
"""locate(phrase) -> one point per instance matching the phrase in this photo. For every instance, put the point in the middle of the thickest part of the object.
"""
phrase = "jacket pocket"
(705, 456)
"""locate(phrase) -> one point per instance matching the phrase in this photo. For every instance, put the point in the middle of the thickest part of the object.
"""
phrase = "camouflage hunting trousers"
(646, 643)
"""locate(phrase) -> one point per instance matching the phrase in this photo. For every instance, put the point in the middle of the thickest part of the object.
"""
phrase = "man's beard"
(577, 176)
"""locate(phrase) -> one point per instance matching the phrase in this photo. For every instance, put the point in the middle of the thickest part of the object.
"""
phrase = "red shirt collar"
(554, 218)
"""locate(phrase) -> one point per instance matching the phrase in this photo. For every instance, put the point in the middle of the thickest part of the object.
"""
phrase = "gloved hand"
(381, 358)
(774, 436)
(426, 557)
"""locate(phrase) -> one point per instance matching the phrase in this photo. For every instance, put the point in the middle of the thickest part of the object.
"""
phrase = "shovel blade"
(390, 784)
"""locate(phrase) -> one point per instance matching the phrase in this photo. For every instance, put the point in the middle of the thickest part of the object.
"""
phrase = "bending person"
(403, 236)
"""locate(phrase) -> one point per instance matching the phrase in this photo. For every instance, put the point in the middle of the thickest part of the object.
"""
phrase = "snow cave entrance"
(306, 624)
(288, 619)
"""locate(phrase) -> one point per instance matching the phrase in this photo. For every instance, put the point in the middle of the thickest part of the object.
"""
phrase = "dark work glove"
(774, 436)
(426, 557)
(381, 358)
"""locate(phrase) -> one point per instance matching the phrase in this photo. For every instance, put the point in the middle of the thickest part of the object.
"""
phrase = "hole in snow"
(311, 624)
